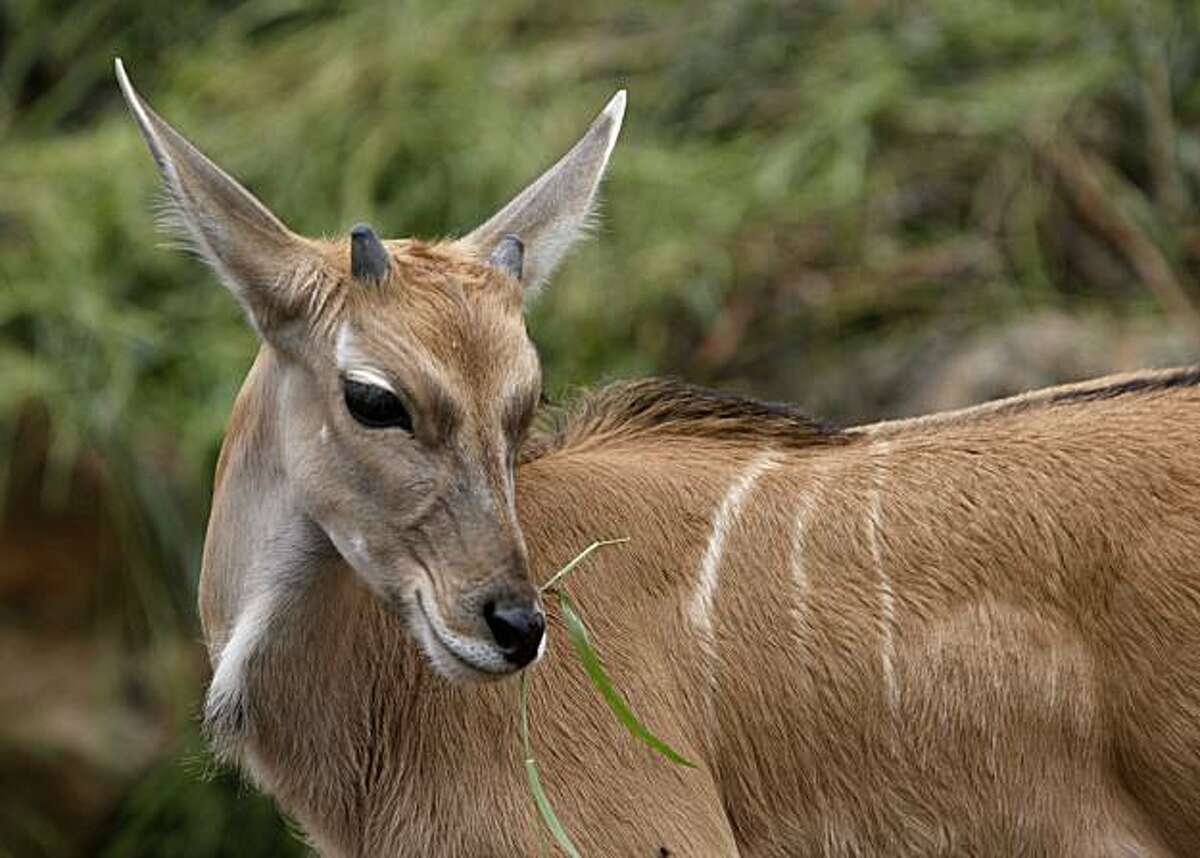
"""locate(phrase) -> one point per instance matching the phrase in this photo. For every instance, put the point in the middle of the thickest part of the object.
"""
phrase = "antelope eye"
(375, 407)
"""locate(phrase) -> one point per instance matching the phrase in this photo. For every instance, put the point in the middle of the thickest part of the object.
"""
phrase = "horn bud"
(369, 260)
(508, 256)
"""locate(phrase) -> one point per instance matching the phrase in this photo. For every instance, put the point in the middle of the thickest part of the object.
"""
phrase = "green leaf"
(535, 780)
(595, 671)
(579, 558)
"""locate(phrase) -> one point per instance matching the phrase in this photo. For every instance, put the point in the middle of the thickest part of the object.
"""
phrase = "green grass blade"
(535, 780)
(595, 671)
(579, 558)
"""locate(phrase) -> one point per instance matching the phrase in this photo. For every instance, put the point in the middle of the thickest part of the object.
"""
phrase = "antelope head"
(406, 382)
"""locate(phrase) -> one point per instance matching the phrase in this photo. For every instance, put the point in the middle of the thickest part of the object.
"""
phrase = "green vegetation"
(868, 208)
(590, 659)
(188, 808)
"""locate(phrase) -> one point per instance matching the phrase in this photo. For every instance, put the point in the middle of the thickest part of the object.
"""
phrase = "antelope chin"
(458, 659)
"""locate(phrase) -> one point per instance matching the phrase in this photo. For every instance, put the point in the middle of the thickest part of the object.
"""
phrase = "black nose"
(517, 627)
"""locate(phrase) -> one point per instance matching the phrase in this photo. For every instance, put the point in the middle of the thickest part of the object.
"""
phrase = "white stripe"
(887, 598)
(727, 514)
(808, 508)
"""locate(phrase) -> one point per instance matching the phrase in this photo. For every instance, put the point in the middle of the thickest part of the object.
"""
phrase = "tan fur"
(969, 634)
(1047, 658)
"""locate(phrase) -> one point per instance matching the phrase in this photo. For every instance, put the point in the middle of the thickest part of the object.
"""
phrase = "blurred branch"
(1190, 244)
(1079, 176)
(1161, 133)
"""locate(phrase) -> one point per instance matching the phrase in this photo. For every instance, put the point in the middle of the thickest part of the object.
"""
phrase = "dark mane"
(671, 408)
(1152, 382)
(1116, 387)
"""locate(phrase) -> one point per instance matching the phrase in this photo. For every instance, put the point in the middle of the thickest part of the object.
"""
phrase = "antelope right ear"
(528, 237)
(259, 259)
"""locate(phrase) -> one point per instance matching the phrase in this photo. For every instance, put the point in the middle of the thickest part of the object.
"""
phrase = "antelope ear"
(547, 217)
(256, 256)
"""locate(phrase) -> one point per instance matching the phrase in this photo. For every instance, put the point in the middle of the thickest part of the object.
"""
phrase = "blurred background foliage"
(871, 208)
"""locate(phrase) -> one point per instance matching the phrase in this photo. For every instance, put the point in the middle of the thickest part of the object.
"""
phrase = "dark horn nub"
(368, 257)
(509, 256)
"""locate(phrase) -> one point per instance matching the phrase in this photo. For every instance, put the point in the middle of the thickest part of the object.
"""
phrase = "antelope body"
(975, 633)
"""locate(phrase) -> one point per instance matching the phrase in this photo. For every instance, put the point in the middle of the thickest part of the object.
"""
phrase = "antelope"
(972, 633)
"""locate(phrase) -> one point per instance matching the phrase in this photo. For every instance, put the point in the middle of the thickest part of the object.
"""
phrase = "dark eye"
(375, 407)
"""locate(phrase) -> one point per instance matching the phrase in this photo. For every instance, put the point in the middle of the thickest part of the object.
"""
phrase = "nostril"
(501, 630)
(517, 627)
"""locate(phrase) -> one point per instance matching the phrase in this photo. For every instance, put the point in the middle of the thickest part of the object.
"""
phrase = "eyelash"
(375, 407)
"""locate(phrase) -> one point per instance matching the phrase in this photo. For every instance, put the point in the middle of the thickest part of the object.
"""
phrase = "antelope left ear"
(529, 237)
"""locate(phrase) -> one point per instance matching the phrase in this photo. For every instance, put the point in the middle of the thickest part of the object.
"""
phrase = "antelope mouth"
(457, 658)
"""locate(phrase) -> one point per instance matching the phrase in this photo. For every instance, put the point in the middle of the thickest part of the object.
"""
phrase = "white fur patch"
(228, 682)
(367, 375)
